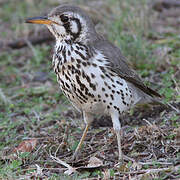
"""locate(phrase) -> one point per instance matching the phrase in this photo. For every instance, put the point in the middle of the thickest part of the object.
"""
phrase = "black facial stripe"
(68, 28)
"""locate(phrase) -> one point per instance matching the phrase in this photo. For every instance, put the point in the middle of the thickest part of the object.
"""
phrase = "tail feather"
(142, 98)
(154, 93)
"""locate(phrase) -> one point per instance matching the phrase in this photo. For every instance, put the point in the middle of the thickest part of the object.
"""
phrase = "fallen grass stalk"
(59, 161)
(157, 162)
(149, 171)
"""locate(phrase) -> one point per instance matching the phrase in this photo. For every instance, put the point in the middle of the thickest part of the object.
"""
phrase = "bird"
(91, 71)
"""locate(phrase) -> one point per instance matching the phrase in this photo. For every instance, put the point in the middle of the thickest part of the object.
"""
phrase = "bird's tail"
(156, 101)
(142, 99)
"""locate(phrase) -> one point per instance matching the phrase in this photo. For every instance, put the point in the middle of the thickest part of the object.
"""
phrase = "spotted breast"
(84, 79)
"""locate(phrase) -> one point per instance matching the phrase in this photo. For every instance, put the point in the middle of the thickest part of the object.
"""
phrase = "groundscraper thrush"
(92, 72)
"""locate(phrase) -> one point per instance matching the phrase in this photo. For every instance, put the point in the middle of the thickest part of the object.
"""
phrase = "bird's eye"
(64, 18)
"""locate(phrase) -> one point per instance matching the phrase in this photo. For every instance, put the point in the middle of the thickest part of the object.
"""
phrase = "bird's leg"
(119, 145)
(88, 119)
(81, 141)
(117, 128)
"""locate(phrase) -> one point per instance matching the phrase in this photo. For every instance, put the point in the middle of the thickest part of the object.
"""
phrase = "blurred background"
(31, 103)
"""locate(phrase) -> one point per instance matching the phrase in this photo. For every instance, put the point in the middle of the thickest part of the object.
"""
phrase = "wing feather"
(118, 64)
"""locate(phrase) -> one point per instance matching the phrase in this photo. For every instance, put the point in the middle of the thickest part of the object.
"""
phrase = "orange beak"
(39, 20)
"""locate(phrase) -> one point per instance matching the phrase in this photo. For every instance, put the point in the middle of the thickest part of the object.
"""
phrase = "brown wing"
(118, 64)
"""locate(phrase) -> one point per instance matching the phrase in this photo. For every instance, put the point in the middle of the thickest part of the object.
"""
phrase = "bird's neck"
(67, 52)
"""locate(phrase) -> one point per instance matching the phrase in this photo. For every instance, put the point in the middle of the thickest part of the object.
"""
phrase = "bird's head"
(67, 23)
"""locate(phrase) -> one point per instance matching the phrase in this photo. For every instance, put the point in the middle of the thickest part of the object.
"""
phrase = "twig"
(43, 36)
(59, 161)
(175, 109)
(152, 163)
(170, 3)
(148, 171)
(159, 5)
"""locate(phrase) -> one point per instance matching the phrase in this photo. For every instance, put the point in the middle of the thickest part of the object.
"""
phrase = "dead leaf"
(26, 146)
(94, 162)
